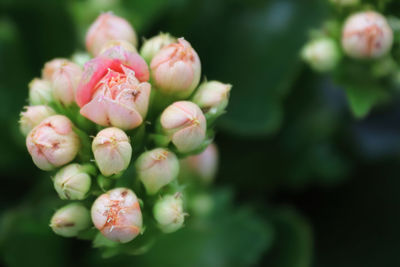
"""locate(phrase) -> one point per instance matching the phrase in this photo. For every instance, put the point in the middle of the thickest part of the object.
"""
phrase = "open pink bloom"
(185, 124)
(53, 143)
(117, 215)
(176, 69)
(108, 27)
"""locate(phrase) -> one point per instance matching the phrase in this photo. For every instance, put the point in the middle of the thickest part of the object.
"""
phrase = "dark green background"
(301, 182)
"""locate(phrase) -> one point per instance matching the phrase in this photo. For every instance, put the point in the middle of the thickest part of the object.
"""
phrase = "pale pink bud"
(322, 54)
(117, 215)
(32, 116)
(212, 97)
(185, 124)
(70, 220)
(176, 69)
(157, 168)
(72, 182)
(40, 92)
(153, 45)
(124, 44)
(204, 165)
(112, 151)
(51, 66)
(169, 214)
(108, 27)
(53, 143)
(367, 35)
(64, 81)
(119, 100)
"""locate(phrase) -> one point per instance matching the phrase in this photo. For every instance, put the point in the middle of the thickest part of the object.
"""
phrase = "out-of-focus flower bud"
(108, 27)
(345, 3)
(322, 54)
(80, 58)
(70, 220)
(119, 100)
(124, 44)
(212, 97)
(185, 124)
(112, 151)
(153, 45)
(72, 182)
(202, 166)
(32, 116)
(40, 92)
(64, 81)
(367, 35)
(176, 69)
(168, 212)
(51, 66)
(53, 143)
(157, 168)
(117, 215)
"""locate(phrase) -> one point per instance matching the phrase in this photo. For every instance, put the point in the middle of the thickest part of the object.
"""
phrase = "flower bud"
(322, 54)
(185, 124)
(367, 35)
(40, 92)
(168, 212)
(112, 151)
(124, 44)
(80, 58)
(70, 220)
(151, 46)
(51, 66)
(64, 81)
(176, 69)
(72, 182)
(108, 27)
(202, 166)
(53, 143)
(345, 3)
(157, 168)
(212, 97)
(33, 116)
(117, 215)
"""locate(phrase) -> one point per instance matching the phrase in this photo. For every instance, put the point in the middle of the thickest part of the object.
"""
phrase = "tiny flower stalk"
(176, 69)
(212, 97)
(117, 215)
(71, 219)
(322, 54)
(185, 125)
(112, 151)
(32, 116)
(153, 45)
(169, 214)
(157, 168)
(53, 143)
(108, 27)
(73, 181)
(40, 92)
(366, 35)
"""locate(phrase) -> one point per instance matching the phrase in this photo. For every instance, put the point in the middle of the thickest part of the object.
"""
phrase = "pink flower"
(117, 215)
(53, 143)
(176, 69)
(108, 27)
(33, 116)
(51, 66)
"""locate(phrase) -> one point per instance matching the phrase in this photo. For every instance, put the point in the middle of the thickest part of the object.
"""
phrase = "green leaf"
(362, 100)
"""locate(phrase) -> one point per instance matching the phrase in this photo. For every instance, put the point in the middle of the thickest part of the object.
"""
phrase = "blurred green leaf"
(362, 100)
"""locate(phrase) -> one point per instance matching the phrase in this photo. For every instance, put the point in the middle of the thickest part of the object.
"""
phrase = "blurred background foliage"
(301, 182)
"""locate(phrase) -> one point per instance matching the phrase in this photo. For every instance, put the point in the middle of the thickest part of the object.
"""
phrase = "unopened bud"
(51, 66)
(72, 182)
(80, 58)
(108, 27)
(367, 35)
(185, 124)
(168, 212)
(32, 116)
(112, 151)
(204, 165)
(157, 168)
(124, 44)
(176, 69)
(40, 92)
(117, 215)
(212, 97)
(53, 143)
(322, 54)
(153, 45)
(70, 220)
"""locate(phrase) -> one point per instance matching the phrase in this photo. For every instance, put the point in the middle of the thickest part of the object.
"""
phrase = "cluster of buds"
(119, 117)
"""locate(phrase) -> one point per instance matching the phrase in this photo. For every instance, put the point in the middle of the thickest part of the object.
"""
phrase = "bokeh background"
(301, 182)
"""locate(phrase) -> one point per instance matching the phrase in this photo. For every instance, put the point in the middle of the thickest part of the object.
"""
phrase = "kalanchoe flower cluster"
(117, 129)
